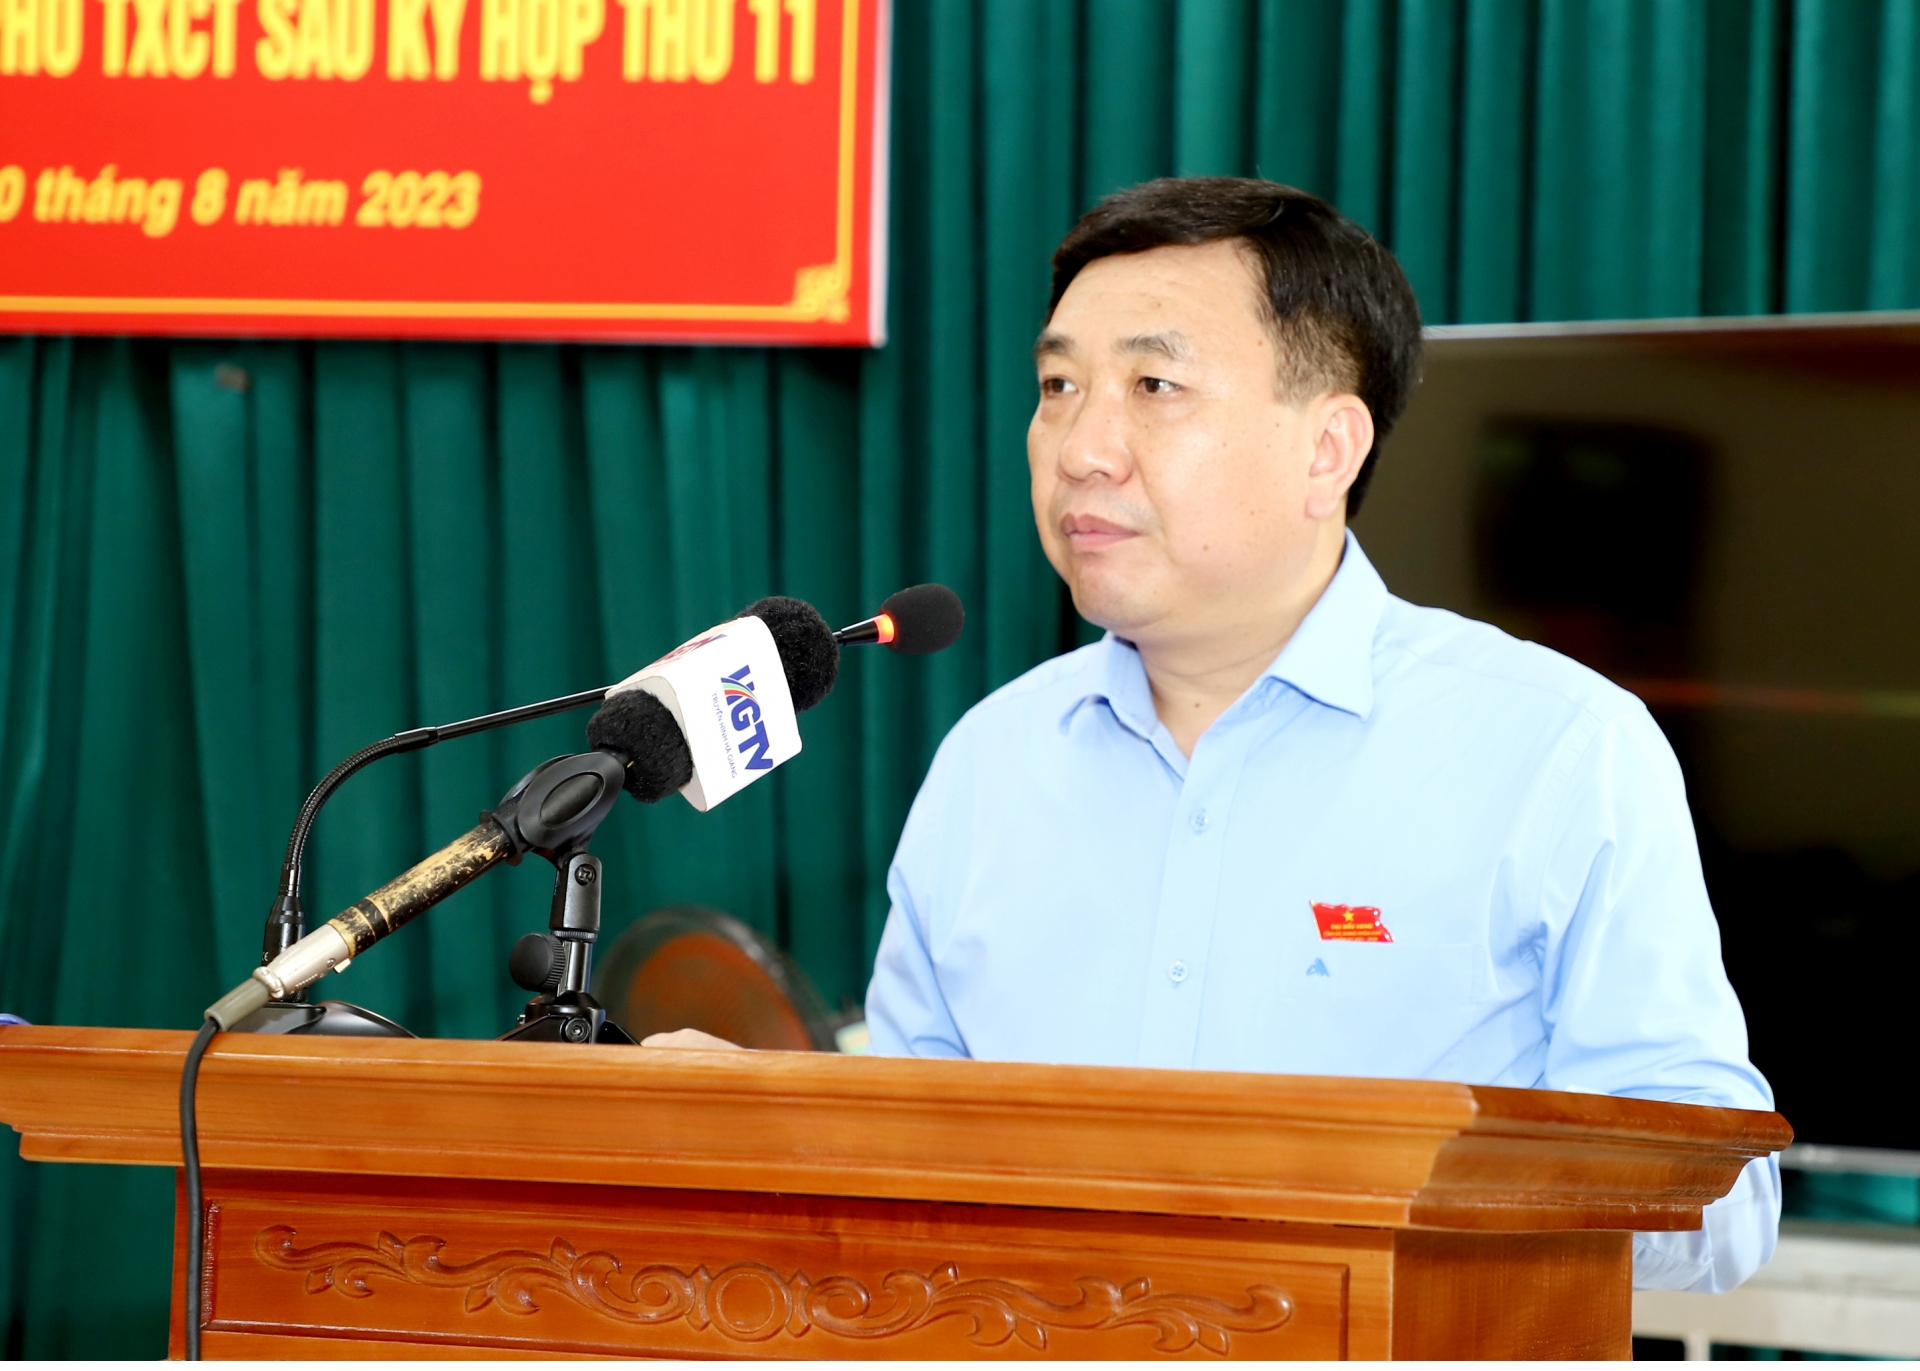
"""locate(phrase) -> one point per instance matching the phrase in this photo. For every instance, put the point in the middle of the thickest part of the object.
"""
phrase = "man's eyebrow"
(1168, 343)
(1051, 344)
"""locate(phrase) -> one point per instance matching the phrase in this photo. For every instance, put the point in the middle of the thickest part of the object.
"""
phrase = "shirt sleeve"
(1636, 998)
(907, 1015)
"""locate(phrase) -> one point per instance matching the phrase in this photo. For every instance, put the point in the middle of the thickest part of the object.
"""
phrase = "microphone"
(643, 717)
(781, 642)
(557, 803)
(914, 621)
(636, 726)
(286, 921)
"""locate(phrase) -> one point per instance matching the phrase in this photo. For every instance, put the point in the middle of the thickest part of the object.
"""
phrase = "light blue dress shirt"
(1070, 888)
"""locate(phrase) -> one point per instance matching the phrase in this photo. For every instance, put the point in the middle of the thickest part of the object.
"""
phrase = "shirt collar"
(1118, 678)
(1329, 658)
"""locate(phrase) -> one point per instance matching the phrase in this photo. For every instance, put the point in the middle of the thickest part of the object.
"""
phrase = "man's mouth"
(1090, 533)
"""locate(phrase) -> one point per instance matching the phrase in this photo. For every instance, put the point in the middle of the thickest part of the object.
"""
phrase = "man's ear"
(1342, 428)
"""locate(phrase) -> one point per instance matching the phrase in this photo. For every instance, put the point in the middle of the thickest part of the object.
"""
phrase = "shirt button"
(1200, 821)
(1177, 972)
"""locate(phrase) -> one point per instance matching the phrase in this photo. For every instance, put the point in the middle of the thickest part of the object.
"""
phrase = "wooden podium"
(379, 1198)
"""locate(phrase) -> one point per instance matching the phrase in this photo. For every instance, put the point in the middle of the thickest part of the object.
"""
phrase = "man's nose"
(1097, 441)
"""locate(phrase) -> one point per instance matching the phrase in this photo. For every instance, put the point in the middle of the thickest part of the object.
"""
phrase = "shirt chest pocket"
(1384, 1009)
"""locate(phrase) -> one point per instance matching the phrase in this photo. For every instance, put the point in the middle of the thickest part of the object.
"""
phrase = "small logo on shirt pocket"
(1350, 923)
(1319, 968)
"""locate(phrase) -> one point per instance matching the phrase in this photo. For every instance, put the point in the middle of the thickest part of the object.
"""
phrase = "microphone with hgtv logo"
(706, 720)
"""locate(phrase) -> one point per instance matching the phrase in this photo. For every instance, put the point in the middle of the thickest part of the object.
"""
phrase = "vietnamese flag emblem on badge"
(1350, 923)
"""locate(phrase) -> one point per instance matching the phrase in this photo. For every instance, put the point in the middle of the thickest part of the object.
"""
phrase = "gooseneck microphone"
(286, 922)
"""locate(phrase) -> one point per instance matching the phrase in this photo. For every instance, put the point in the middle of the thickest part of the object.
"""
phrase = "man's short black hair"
(1340, 308)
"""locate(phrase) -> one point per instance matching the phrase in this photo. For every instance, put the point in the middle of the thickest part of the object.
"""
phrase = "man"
(1278, 820)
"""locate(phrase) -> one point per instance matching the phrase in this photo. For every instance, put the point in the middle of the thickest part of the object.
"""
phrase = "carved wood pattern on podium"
(751, 1302)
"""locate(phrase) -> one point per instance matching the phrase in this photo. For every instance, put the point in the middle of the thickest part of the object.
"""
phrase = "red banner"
(660, 170)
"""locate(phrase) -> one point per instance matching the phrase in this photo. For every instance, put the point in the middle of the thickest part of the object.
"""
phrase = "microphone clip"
(554, 811)
(555, 808)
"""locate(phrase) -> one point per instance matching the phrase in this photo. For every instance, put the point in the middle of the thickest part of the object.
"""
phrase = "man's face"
(1175, 491)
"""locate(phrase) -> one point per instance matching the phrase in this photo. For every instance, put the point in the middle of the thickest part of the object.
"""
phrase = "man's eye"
(1154, 385)
(1055, 385)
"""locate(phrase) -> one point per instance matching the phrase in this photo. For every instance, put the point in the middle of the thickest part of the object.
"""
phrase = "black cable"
(196, 1206)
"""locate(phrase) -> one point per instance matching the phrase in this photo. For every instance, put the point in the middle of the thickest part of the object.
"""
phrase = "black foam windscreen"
(807, 648)
(636, 725)
(925, 619)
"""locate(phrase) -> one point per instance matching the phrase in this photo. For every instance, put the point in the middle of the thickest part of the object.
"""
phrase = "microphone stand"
(565, 1010)
(553, 811)
(286, 921)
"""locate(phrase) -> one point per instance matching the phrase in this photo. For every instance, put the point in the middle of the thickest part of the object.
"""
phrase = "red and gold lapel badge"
(1350, 923)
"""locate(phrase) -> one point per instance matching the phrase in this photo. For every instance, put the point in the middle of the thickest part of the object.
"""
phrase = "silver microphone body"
(333, 945)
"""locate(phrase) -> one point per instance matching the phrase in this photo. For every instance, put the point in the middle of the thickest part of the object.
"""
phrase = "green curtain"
(224, 565)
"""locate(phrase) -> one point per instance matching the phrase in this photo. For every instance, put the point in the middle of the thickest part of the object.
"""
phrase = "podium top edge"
(1444, 1107)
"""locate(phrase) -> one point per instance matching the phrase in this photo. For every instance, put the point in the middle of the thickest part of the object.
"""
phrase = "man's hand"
(691, 1038)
